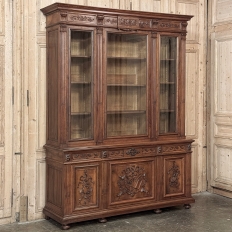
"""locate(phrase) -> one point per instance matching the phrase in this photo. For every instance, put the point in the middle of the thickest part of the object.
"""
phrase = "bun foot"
(187, 206)
(158, 211)
(47, 218)
(65, 227)
(102, 220)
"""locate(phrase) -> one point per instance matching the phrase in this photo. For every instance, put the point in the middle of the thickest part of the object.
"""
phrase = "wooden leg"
(102, 220)
(65, 227)
(158, 211)
(187, 206)
(47, 218)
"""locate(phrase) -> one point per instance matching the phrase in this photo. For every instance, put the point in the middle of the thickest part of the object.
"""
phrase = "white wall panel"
(192, 75)
(2, 94)
(2, 18)
(222, 11)
(190, 7)
(223, 48)
(2, 179)
(194, 170)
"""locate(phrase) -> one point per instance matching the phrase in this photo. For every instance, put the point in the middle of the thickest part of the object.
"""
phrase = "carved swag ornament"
(132, 181)
(85, 188)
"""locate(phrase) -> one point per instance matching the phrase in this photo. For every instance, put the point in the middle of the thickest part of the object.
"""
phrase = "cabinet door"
(173, 179)
(126, 81)
(130, 181)
(168, 84)
(81, 85)
(86, 182)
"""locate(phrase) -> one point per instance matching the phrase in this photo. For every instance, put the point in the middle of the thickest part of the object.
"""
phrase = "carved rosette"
(132, 181)
(174, 173)
(132, 152)
(85, 187)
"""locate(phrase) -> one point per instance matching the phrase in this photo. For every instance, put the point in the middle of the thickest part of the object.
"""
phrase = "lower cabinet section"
(95, 184)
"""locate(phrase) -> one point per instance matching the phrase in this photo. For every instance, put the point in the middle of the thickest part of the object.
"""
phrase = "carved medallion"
(174, 173)
(132, 152)
(132, 181)
(85, 187)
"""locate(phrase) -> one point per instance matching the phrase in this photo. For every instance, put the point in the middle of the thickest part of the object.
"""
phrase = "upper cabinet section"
(114, 18)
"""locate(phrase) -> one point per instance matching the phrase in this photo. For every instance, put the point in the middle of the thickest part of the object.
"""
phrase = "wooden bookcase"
(115, 113)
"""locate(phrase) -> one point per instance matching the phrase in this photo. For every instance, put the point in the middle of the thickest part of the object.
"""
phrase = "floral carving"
(174, 173)
(86, 156)
(168, 25)
(111, 21)
(132, 181)
(144, 24)
(82, 18)
(128, 22)
(132, 152)
(173, 148)
(85, 187)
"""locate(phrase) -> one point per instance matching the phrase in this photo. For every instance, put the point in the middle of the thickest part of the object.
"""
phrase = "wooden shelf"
(80, 113)
(167, 111)
(125, 85)
(126, 57)
(126, 112)
(78, 56)
(167, 83)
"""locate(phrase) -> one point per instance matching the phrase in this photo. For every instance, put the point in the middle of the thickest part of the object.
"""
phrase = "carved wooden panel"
(174, 176)
(54, 185)
(52, 85)
(86, 192)
(132, 181)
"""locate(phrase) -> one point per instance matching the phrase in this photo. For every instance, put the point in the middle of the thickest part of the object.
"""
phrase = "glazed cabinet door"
(130, 182)
(126, 78)
(169, 80)
(81, 82)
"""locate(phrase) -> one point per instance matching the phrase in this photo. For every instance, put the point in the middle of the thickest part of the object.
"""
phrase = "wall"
(29, 68)
(220, 103)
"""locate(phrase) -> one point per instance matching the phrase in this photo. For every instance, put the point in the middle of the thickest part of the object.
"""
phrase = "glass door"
(126, 109)
(168, 84)
(81, 85)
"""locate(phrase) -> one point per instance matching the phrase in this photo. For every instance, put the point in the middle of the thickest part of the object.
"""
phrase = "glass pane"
(168, 78)
(81, 85)
(126, 84)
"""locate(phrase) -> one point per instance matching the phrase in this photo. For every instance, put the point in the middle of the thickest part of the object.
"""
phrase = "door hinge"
(18, 153)
(27, 97)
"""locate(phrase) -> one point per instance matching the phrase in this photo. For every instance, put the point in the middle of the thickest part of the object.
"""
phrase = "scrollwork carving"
(132, 152)
(85, 187)
(173, 148)
(132, 181)
(128, 22)
(82, 18)
(67, 157)
(174, 173)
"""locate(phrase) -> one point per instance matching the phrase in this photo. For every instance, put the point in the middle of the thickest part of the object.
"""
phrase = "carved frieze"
(132, 180)
(149, 151)
(111, 22)
(82, 18)
(93, 155)
(165, 25)
(130, 23)
(173, 174)
(85, 187)
(132, 152)
(174, 148)
(144, 23)
(116, 154)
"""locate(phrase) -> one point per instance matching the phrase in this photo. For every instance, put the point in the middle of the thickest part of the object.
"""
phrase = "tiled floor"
(209, 213)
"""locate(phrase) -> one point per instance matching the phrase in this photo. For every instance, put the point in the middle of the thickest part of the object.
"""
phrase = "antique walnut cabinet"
(115, 113)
